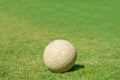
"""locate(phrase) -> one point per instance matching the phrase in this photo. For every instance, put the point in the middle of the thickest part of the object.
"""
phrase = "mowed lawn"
(92, 26)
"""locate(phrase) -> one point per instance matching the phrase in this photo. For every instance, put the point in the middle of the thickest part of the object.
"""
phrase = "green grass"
(27, 26)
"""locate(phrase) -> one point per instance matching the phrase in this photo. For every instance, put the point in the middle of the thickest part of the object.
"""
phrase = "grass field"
(92, 26)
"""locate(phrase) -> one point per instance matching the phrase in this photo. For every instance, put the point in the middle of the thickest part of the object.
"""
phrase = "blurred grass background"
(26, 27)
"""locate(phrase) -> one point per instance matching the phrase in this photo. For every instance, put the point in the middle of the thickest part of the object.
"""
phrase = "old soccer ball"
(59, 56)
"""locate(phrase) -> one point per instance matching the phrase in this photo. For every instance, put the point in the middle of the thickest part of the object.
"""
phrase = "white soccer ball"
(59, 55)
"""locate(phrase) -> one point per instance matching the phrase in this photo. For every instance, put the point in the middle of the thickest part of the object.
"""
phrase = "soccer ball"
(59, 56)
